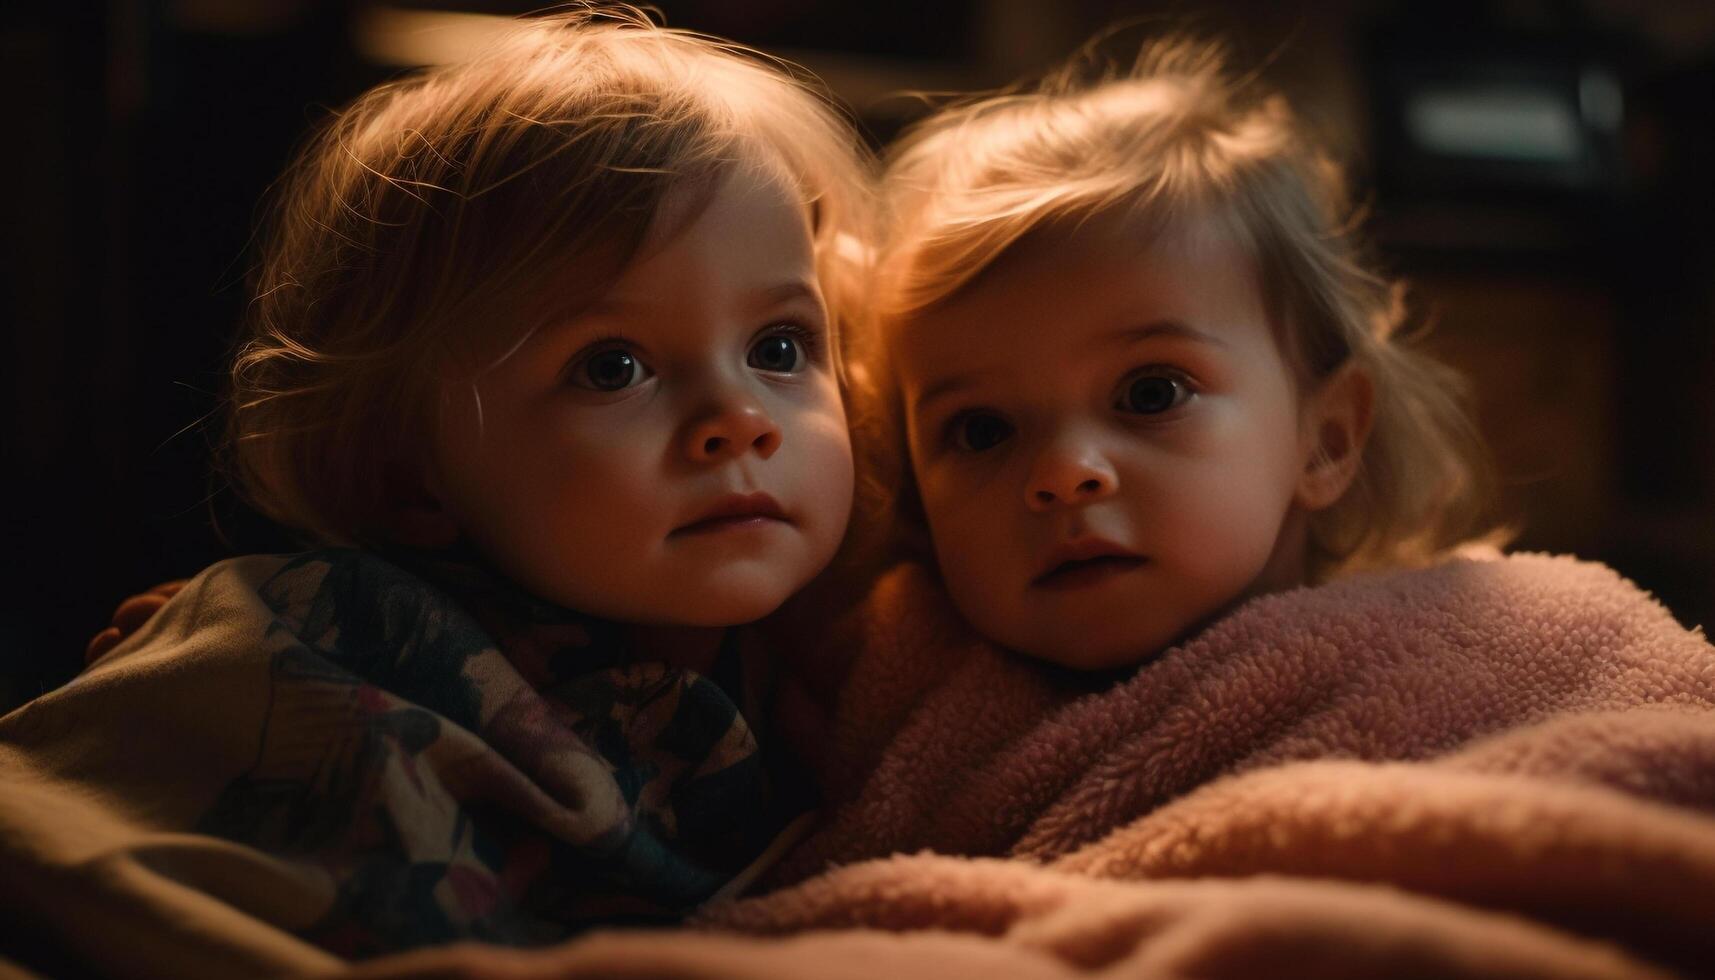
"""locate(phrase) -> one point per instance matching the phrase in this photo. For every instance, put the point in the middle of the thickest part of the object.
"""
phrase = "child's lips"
(1082, 574)
(1085, 562)
(734, 512)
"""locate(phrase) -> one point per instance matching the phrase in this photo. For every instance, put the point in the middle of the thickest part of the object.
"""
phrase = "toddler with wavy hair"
(1130, 347)
(544, 360)
(448, 339)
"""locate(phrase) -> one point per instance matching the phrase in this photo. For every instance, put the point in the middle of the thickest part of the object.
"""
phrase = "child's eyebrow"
(954, 383)
(950, 385)
(770, 295)
(620, 306)
(1166, 328)
(790, 290)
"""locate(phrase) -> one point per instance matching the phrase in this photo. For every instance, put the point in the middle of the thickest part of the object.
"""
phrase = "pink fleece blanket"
(1488, 768)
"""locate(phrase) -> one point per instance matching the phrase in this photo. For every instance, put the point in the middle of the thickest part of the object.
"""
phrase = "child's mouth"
(718, 524)
(1084, 572)
(734, 512)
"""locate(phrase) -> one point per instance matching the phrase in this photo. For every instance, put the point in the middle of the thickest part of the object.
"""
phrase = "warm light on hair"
(435, 223)
(1171, 138)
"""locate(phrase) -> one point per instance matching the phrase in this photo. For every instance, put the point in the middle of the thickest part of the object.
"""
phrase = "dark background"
(141, 135)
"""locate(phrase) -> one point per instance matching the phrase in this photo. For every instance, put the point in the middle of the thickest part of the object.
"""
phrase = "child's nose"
(1066, 476)
(730, 432)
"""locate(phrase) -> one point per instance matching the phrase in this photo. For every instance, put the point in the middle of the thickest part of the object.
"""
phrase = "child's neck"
(691, 647)
(1288, 565)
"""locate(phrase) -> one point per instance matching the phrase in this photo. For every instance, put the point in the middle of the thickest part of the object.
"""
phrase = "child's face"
(677, 454)
(1107, 440)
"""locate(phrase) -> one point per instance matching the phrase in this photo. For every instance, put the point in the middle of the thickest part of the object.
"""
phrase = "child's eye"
(778, 353)
(975, 432)
(785, 349)
(1152, 391)
(613, 369)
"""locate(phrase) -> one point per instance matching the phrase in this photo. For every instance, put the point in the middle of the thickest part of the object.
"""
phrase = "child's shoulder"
(332, 581)
(341, 599)
(304, 588)
(336, 601)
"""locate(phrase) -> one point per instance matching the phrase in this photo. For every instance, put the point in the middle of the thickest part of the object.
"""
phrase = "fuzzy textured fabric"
(1529, 668)
(1499, 768)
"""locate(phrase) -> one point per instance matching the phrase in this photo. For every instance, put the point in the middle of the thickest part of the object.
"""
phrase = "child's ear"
(1336, 426)
(416, 517)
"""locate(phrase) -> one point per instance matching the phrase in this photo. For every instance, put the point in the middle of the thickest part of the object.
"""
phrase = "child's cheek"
(972, 535)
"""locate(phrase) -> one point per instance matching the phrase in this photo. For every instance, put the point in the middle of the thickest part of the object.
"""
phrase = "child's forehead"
(1191, 241)
(748, 209)
(755, 169)
(1100, 285)
(565, 283)
(739, 241)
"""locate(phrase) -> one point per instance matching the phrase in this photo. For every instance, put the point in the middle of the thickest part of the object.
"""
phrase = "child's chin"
(733, 600)
(1083, 649)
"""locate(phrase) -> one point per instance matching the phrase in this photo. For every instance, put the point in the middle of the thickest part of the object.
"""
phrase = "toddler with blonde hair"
(544, 359)
(1141, 372)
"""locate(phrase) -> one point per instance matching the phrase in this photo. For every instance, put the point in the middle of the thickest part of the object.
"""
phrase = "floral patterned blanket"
(308, 758)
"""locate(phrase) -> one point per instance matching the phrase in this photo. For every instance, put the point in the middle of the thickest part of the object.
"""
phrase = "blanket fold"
(996, 756)
(1519, 747)
(310, 757)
